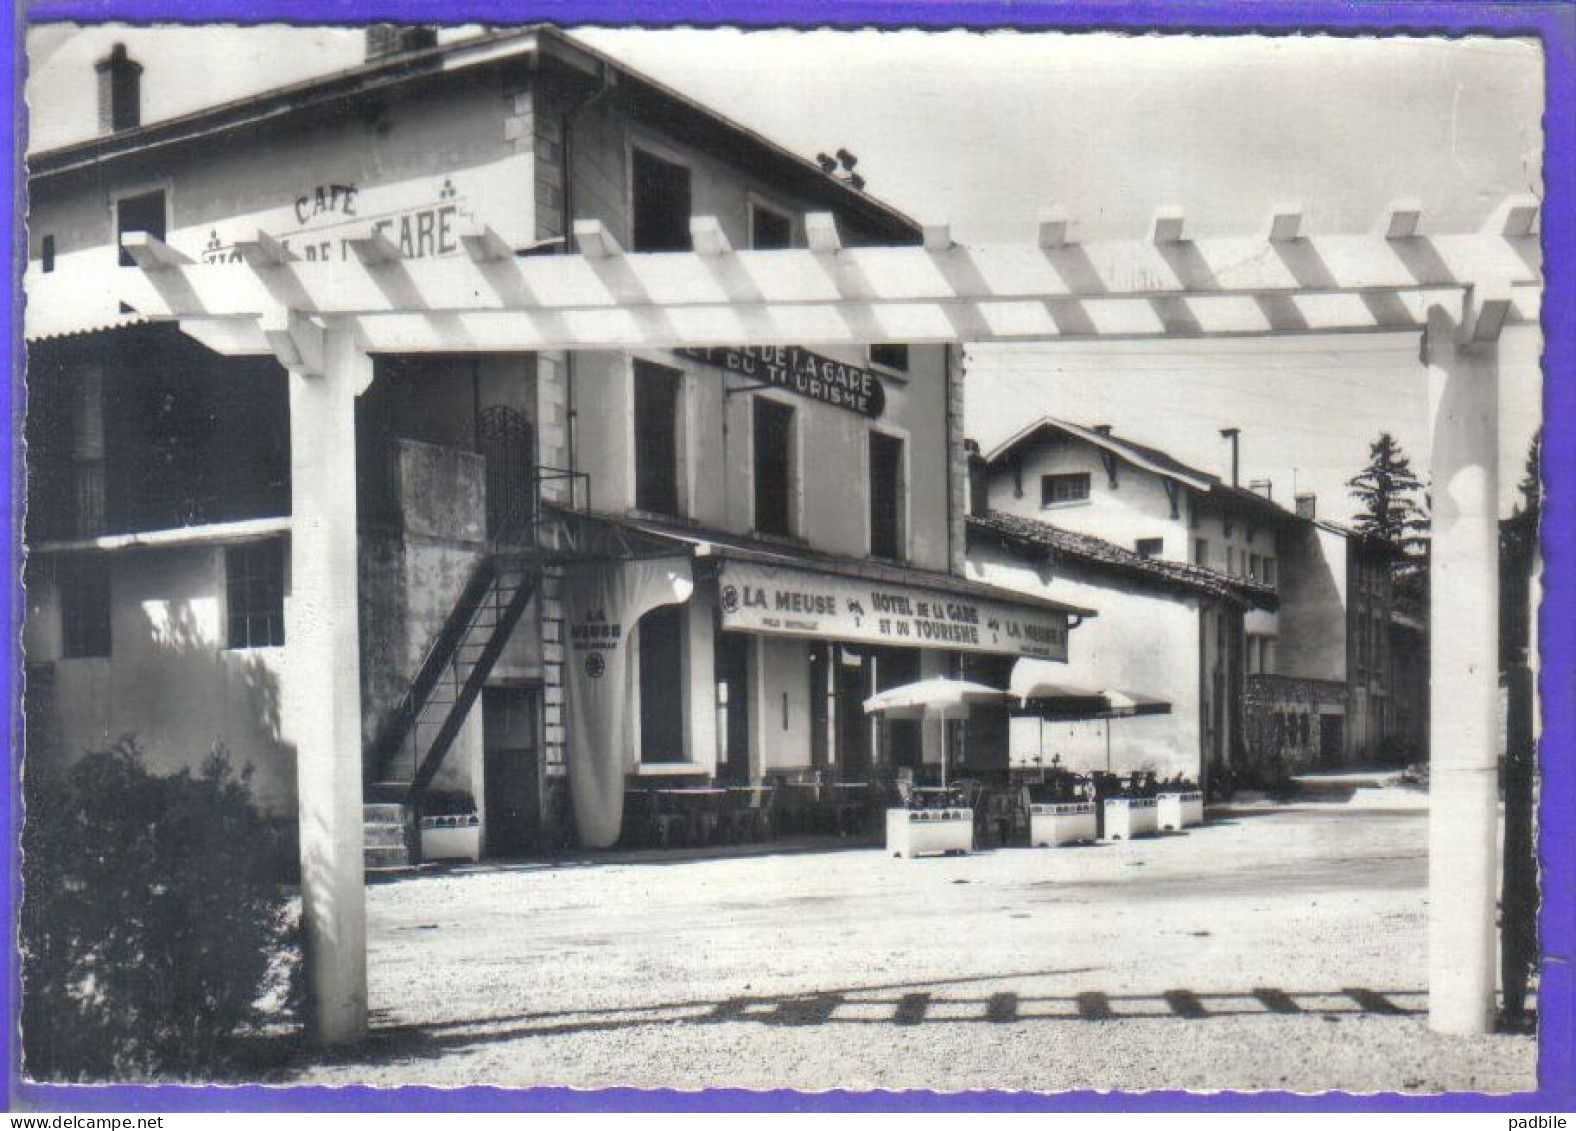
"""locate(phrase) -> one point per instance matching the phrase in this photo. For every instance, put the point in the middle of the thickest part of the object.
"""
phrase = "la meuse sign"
(799, 371)
(783, 601)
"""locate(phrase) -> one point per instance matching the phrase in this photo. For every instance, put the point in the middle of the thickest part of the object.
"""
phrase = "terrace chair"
(763, 811)
(671, 827)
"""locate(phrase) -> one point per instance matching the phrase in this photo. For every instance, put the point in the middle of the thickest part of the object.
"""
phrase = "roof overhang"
(1089, 436)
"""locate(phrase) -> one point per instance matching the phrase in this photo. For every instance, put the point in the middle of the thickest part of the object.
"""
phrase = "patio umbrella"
(1041, 684)
(936, 695)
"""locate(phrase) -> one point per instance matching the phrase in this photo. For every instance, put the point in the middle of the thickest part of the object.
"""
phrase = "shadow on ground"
(897, 1004)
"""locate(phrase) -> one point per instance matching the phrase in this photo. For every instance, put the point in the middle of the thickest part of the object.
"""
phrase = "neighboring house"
(1315, 664)
(597, 567)
(1335, 695)
(1167, 630)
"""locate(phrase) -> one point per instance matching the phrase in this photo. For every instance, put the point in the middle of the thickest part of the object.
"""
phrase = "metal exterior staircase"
(416, 735)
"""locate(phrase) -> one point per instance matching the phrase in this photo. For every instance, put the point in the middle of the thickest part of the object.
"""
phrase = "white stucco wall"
(1145, 643)
(1313, 592)
(170, 680)
(1137, 507)
(397, 161)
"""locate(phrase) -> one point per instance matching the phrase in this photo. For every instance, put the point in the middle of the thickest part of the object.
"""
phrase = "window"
(1056, 489)
(255, 592)
(46, 255)
(661, 633)
(886, 496)
(773, 467)
(661, 204)
(769, 230)
(890, 356)
(1253, 567)
(84, 607)
(141, 213)
(656, 438)
(1201, 552)
(1150, 547)
(1231, 560)
(1269, 572)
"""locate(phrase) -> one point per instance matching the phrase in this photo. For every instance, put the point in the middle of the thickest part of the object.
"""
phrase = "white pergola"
(323, 319)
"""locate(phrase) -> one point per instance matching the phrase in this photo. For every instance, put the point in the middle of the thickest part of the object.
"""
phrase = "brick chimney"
(1305, 505)
(1264, 487)
(1233, 437)
(387, 40)
(119, 91)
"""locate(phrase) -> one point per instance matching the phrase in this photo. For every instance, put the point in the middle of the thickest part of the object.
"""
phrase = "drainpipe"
(567, 224)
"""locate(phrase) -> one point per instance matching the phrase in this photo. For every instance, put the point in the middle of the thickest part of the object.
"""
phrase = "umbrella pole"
(1107, 745)
(943, 749)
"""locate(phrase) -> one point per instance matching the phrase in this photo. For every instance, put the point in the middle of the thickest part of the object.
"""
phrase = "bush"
(151, 922)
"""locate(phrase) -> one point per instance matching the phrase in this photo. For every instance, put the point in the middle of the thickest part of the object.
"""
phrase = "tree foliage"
(1388, 495)
(151, 919)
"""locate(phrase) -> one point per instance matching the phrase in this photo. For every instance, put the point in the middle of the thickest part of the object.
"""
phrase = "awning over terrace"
(788, 591)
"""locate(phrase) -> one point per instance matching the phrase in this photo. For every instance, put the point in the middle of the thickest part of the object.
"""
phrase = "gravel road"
(1278, 947)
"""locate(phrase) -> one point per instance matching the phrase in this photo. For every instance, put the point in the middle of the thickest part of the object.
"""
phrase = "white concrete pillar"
(323, 684)
(1464, 669)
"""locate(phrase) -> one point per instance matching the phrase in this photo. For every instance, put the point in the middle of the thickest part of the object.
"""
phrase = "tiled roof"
(1069, 545)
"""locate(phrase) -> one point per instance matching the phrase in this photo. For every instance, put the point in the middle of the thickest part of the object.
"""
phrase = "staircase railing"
(512, 555)
(401, 719)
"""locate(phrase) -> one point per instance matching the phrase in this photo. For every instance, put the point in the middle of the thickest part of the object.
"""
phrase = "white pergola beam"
(1286, 223)
(1401, 219)
(265, 251)
(707, 236)
(484, 245)
(151, 253)
(375, 250)
(1491, 307)
(1136, 269)
(915, 323)
(594, 241)
(296, 341)
(1517, 216)
(937, 237)
(1053, 229)
(1166, 228)
(820, 232)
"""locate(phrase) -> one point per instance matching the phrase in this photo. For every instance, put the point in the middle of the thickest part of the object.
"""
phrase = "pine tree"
(1387, 493)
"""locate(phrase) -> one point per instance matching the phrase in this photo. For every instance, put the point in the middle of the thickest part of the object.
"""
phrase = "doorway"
(851, 684)
(512, 769)
(901, 739)
(732, 668)
(1332, 738)
(507, 443)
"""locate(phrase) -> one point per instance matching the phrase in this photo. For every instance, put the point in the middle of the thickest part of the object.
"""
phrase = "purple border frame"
(1552, 21)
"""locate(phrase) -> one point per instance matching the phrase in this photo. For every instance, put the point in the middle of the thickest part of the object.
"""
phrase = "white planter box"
(1065, 823)
(1179, 810)
(1127, 817)
(450, 842)
(910, 832)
